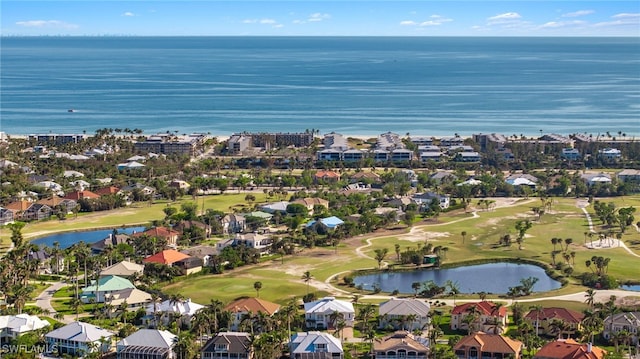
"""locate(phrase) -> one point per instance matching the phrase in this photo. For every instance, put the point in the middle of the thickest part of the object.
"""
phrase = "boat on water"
(71, 110)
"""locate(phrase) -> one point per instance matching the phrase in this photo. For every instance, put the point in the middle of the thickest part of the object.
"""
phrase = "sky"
(321, 18)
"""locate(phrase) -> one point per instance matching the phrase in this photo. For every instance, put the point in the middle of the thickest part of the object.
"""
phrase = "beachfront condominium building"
(165, 143)
(57, 138)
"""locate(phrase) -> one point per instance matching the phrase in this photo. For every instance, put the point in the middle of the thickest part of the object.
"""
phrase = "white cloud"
(408, 23)
(436, 20)
(626, 16)
(508, 17)
(277, 26)
(318, 17)
(128, 13)
(578, 13)
(622, 19)
(56, 24)
(559, 24)
(249, 21)
(268, 21)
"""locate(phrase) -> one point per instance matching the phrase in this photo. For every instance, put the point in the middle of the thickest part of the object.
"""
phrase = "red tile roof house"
(490, 317)
(107, 191)
(569, 349)
(241, 307)
(542, 320)
(166, 257)
(78, 195)
(168, 234)
(487, 346)
(327, 176)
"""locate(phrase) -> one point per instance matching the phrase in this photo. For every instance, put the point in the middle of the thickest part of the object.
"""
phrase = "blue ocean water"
(353, 85)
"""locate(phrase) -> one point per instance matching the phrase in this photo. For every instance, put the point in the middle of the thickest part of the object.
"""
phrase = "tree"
(381, 253)
(590, 295)
(307, 277)
(464, 235)
(257, 286)
(454, 289)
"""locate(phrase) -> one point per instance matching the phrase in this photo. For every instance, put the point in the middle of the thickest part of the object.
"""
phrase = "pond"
(633, 287)
(493, 278)
(67, 239)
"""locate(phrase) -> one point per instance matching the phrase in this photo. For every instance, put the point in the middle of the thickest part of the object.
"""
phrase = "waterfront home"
(112, 241)
(169, 311)
(329, 154)
(165, 233)
(569, 349)
(78, 339)
(228, 345)
(102, 287)
(123, 269)
(543, 320)
(401, 345)
(234, 223)
(488, 346)
(67, 205)
(166, 257)
(147, 343)
(626, 321)
(13, 326)
(404, 314)
(242, 307)
(319, 314)
(133, 297)
(187, 225)
(46, 262)
(315, 345)
(26, 210)
(489, 317)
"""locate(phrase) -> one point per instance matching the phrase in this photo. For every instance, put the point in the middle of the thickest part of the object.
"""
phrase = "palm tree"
(590, 295)
(454, 289)
(538, 309)
(464, 235)
(307, 277)
(257, 286)
(381, 253)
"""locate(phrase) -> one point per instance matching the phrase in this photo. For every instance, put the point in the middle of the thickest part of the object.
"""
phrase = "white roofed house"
(147, 344)
(320, 314)
(596, 178)
(424, 200)
(521, 180)
(12, 326)
(256, 241)
(78, 339)
(169, 311)
(315, 345)
(404, 314)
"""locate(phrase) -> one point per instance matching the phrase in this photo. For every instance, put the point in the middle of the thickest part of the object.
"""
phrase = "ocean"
(437, 86)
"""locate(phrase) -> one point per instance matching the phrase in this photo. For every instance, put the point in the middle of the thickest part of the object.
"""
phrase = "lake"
(491, 278)
(633, 287)
(69, 238)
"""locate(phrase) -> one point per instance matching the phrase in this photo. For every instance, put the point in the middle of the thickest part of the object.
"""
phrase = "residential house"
(366, 177)
(124, 269)
(610, 154)
(145, 190)
(78, 195)
(443, 176)
(179, 184)
(569, 349)
(481, 345)
(228, 345)
(404, 314)
(326, 176)
(37, 211)
(256, 241)
(147, 343)
(104, 286)
(130, 166)
(204, 252)
(133, 297)
(18, 208)
(72, 174)
(629, 175)
(46, 265)
(522, 179)
(79, 338)
(248, 306)
(401, 345)
(167, 257)
(328, 223)
(543, 320)
(490, 317)
(319, 314)
(596, 178)
(187, 225)
(67, 205)
(423, 200)
(112, 240)
(315, 345)
(234, 223)
(167, 311)
(107, 191)
(165, 233)
(275, 207)
(311, 202)
(189, 265)
(6, 216)
(570, 154)
(13, 326)
(627, 321)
